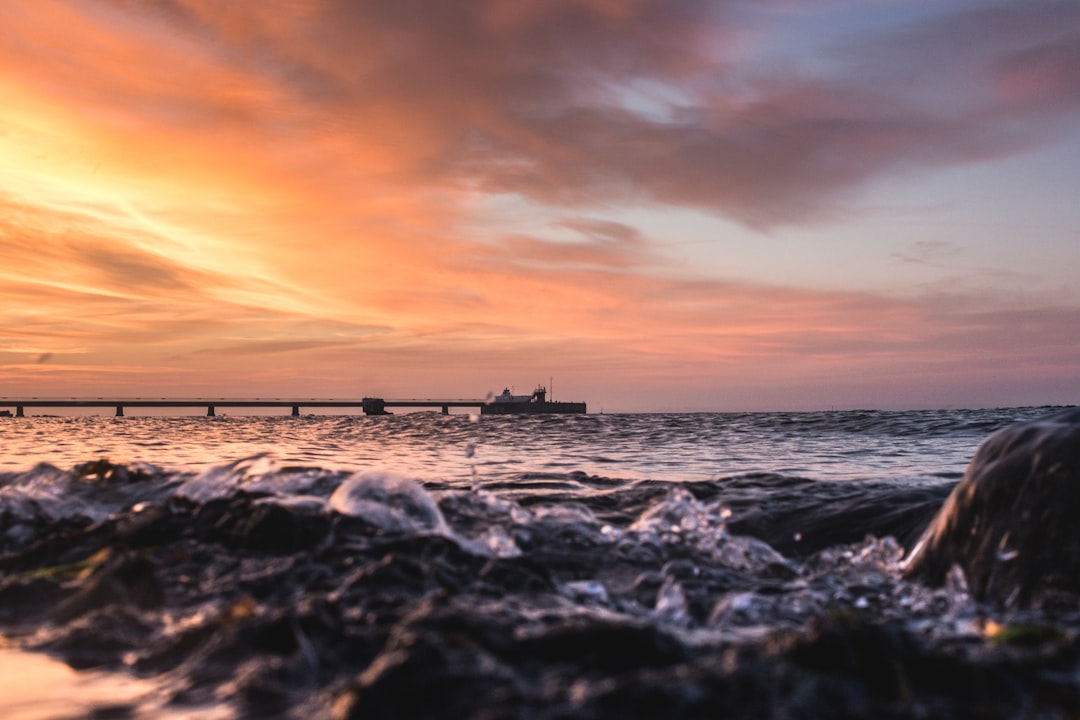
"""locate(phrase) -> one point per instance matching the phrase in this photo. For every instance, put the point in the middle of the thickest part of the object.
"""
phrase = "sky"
(650, 205)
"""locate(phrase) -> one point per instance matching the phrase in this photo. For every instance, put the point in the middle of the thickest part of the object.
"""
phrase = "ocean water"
(431, 447)
(533, 566)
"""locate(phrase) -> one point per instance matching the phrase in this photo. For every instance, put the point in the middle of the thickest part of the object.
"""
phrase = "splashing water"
(389, 502)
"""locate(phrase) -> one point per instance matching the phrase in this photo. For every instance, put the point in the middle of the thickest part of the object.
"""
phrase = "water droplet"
(500, 543)
(671, 602)
(583, 590)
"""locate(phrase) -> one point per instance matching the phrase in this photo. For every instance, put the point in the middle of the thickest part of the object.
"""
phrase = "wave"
(309, 591)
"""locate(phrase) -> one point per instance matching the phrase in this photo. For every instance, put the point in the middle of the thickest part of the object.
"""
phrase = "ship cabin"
(538, 395)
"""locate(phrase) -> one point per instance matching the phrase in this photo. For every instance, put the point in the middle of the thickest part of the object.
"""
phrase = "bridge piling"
(119, 411)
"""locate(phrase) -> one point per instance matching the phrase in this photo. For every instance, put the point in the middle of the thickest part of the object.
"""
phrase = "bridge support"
(119, 411)
(296, 411)
(19, 411)
(445, 409)
(209, 411)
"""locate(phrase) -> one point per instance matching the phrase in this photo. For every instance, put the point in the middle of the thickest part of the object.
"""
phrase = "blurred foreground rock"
(1013, 522)
(629, 601)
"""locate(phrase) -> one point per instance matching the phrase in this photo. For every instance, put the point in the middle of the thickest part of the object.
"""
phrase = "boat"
(506, 403)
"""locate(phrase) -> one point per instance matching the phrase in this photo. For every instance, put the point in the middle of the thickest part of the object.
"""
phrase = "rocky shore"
(385, 600)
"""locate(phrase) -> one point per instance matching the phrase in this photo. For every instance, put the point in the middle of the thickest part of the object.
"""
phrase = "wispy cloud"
(928, 252)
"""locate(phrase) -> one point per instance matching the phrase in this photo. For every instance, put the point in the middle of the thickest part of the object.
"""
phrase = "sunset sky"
(660, 204)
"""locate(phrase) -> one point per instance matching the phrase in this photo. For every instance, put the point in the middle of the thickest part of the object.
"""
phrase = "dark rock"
(278, 530)
(281, 610)
(602, 646)
(114, 711)
(100, 638)
(421, 676)
(105, 472)
(152, 525)
(845, 667)
(811, 515)
(27, 600)
(129, 579)
(1013, 522)
(261, 685)
(60, 542)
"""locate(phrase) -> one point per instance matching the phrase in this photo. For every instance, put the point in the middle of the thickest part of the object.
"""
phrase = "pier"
(369, 405)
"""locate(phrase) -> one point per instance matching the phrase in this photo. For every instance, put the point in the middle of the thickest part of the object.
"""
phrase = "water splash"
(671, 603)
(681, 519)
(222, 481)
(90, 491)
(586, 591)
(470, 455)
(494, 542)
(388, 501)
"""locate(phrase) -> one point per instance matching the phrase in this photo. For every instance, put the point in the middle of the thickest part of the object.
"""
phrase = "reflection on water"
(33, 686)
(433, 447)
(36, 687)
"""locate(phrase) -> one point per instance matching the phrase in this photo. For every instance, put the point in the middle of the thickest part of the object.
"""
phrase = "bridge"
(370, 405)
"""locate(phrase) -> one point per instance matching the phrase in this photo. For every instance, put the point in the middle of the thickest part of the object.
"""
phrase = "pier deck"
(370, 406)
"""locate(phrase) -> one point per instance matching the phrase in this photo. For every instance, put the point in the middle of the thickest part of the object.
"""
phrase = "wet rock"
(129, 579)
(25, 600)
(278, 530)
(423, 676)
(1013, 522)
(99, 638)
(105, 472)
(57, 543)
(811, 515)
(149, 525)
(285, 609)
(601, 646)
(17, 533)
(477, 662)
(845, 667)
(260, 685)
(114, 711)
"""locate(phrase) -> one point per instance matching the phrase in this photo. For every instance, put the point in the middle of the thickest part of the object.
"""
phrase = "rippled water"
(433, 447)
(394, 535)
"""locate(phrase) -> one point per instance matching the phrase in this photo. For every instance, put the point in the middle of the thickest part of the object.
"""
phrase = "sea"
(602, 565)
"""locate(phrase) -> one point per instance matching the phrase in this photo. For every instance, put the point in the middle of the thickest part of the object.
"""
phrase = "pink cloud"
(526, 99)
